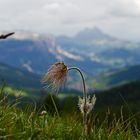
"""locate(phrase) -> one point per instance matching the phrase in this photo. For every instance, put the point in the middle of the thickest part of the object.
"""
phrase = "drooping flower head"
(56, 76)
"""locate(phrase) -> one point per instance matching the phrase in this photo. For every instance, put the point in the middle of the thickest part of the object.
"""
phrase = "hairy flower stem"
(84, 96)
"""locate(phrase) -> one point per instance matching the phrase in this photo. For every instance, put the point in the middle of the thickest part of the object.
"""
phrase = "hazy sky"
(120, 18)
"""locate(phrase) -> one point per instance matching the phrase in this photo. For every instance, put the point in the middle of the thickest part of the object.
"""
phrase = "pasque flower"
(56, 76)
(43, 113)
(90, 102)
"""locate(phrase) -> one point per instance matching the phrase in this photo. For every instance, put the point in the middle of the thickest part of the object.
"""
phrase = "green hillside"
(18, 78)
(115, 116)
(127, 94)
(122, 76)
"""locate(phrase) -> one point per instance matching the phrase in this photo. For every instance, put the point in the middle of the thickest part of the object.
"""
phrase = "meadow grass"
(28, 124)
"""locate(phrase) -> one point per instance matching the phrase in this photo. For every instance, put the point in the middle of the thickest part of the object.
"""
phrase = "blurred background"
(100, 37)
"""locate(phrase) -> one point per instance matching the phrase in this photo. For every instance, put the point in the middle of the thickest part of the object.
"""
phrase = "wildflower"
(56, 76)
(43, 113)
(88, 106)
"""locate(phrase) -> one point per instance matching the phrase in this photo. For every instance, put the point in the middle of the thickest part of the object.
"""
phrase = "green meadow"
(116, 115)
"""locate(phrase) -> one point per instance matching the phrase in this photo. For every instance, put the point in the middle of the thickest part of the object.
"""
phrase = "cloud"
(52, 6)
(68, 17)
(126, 8)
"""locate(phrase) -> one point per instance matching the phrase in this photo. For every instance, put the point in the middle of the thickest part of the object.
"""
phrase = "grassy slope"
(28, 124)
(127, 96)
(32, 126)
(20, 83)
(19, 78)
(122, 101)
(120, 77)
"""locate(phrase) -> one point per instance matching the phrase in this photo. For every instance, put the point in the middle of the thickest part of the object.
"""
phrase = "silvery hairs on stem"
(89, 104)
(56, 76)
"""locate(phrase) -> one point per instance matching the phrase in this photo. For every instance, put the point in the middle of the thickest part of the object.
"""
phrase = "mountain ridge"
(35, 53)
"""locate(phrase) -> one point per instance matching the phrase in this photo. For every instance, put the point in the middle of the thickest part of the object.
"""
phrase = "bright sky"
(120, 18)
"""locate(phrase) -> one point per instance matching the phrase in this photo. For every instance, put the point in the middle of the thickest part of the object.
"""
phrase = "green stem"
(84, 95)
(83, 80)
(54, 105)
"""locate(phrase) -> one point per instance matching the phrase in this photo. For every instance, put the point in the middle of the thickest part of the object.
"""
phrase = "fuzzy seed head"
(56, 76)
